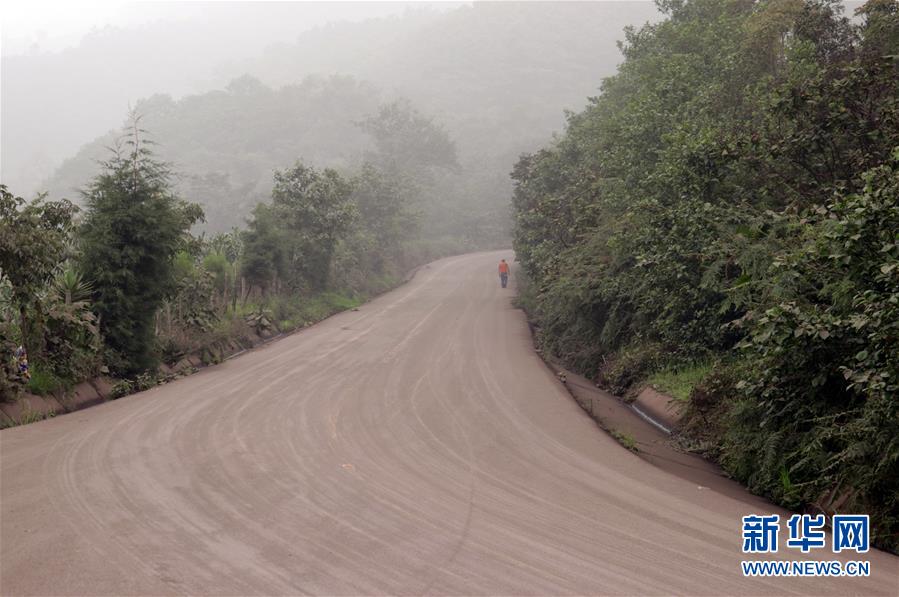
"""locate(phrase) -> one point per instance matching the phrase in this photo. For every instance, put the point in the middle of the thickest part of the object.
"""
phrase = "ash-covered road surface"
(418, 445)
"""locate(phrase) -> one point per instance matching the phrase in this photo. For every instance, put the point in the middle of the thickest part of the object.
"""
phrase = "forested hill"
(225, 144)
(722, 222)
(497, 77)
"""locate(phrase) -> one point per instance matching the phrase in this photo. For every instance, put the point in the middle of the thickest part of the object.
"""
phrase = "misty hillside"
(486, 69)
(225, 144)
(54, 101)
(497, 76)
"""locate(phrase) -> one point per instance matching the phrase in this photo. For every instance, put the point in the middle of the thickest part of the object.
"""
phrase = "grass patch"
(321, 306)
(291, 312)
(625, 439)
(45, 383)
(378, 284)
(678, 382)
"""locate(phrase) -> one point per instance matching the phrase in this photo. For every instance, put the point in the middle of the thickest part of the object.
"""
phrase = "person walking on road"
(503, 273)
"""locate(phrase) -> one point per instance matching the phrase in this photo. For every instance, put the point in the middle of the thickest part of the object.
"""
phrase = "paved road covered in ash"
(415, 446)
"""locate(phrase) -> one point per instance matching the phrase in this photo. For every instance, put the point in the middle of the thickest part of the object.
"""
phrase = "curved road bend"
(416, 446)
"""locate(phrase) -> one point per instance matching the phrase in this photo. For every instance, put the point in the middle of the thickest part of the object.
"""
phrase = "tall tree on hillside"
(316, 210)
(133, 228)
(387, 216)
(263, 249)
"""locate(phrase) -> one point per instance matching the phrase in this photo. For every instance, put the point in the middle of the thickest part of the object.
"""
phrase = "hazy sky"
(71, 70)
(36, 26)
(57, 90)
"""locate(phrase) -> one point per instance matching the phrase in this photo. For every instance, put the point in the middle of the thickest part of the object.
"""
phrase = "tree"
(316, 211)
(263, 252)
(881, 29)
(408, 141)
(386, 215)
(134, 226)
(415, 149)
(33, 241)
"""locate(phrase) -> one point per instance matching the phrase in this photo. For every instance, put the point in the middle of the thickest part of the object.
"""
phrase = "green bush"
(825, 378)
(124, 387)
(44, 382)
(731, 195)
(72, 344)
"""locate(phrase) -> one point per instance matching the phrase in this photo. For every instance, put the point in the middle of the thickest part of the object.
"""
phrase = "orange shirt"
(503, 267)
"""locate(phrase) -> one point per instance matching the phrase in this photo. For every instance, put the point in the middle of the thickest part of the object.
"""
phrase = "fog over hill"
(496, 76)
(58, 94)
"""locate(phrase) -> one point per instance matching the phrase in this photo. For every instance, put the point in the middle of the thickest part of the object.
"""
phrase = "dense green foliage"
(133, 227)
(72, 341)
(387, 217)
(731, 196)
(33, 240)
(42, 299)
(316, 212)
